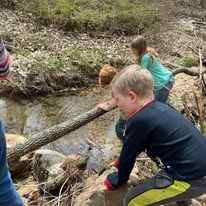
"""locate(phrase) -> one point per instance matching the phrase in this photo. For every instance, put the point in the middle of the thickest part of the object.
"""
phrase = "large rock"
(22, 167)
(100, 156)
(54, 170)
(95, 193)
(46, 164)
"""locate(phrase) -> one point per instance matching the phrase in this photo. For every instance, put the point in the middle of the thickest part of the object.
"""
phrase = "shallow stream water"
(26, 117)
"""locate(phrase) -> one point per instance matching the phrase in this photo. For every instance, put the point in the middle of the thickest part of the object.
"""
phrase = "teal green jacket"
(161, 75)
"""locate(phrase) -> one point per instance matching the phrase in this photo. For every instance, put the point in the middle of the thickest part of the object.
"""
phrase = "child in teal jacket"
(148, 58)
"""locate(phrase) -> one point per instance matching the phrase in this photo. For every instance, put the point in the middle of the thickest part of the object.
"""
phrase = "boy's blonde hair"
(134, 78)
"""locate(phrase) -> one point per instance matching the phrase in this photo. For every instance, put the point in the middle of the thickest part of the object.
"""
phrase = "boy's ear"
(133, 96)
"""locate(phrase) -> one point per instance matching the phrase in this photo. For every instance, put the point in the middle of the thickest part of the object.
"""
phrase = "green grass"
(119, 16)
(188, 60)
(85, 60)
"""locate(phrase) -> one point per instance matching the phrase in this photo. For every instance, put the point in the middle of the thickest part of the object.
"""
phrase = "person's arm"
(3, 163)
(133, 146)
(5, 61)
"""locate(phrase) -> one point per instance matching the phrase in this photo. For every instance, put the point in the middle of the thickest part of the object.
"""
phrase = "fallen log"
(50, 135)
(186, 71)
(179, 69)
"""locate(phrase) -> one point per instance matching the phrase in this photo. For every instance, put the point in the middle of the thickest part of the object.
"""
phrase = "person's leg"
(161, 190)
(163, 94)
(10, 197)
(145, 193)
(8, 194)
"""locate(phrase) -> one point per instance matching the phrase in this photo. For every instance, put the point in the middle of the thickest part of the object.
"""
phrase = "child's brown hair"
(139, 45)
(106, 74)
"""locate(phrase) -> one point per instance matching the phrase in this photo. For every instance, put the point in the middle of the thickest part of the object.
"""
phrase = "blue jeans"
(8, 193)
(162, 94)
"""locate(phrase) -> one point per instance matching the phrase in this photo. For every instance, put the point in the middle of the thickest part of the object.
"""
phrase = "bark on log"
(186, 71)
(178, 69)
(49, 135)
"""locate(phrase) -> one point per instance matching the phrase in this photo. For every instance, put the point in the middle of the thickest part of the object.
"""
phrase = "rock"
(13, 139)
(95, 193)
(54, 169)
(99, 157)
(74, 161)
(73, 167)
(202, 198)
(196, 203)
(46, 164)
(67, 147)
(21, 167)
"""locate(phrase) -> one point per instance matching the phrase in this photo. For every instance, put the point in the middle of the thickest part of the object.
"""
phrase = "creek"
(28, 116)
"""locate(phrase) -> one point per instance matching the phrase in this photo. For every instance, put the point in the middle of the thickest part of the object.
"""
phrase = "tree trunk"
(49, 135)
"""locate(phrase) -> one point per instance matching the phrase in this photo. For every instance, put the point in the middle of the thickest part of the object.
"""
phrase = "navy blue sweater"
(167, 135)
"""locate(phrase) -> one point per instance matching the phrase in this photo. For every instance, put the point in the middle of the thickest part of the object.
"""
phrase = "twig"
(60, 191)
(199, 98)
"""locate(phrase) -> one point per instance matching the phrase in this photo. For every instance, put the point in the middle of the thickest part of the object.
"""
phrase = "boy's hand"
(111, 182)
(108, 105)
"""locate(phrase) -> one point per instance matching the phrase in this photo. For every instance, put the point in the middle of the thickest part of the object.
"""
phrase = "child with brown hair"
(148, 58)
(106, 74)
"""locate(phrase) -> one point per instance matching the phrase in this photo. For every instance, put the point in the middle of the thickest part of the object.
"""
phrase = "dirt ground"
(177, 35)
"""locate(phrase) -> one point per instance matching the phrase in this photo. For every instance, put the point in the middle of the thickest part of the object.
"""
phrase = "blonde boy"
(172, 141)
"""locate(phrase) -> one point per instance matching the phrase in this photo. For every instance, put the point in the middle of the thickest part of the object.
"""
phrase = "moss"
(115, 16)
(88, 60)
(188, 60)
